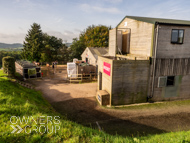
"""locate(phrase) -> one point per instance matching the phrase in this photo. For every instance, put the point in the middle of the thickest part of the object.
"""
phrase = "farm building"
(90, 54)
(27, 69)
(80, 71)
(149, 59)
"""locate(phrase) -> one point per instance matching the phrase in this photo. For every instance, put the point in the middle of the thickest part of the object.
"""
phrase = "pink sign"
(107, 68)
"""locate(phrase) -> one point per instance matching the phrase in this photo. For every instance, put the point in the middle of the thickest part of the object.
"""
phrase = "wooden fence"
(83, 77)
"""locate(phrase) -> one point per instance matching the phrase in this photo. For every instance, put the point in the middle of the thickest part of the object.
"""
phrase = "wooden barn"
(90, 54)
(149, 59)
(27, 69)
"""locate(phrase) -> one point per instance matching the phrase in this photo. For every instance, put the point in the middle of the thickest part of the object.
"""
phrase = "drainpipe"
(154, 63)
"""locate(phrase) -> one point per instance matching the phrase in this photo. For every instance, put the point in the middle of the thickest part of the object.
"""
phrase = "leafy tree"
(63, 54)
(52, 46)
(76, 49)
(93, 36)
(33, 44)
(96, 36)
(39, 46)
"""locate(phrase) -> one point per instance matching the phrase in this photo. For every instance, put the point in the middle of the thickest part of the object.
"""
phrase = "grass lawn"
(39, 122)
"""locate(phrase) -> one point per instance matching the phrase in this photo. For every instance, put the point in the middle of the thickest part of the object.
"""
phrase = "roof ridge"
(157, 20)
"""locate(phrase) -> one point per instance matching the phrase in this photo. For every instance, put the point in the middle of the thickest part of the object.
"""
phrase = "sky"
(65, 19)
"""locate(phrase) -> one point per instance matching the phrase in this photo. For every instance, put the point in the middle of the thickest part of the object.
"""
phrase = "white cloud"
(114, 1)
(20, 37)
(12, 38)
(88, 8)
(65, 36)
(77, 30)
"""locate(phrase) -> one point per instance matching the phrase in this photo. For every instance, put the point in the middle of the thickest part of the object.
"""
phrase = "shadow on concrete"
(83, 111)
(87, 112)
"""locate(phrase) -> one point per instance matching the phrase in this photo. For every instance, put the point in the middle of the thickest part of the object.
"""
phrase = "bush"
(8, 65)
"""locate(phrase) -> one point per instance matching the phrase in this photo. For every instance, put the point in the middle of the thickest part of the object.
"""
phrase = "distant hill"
(18, 45)
(68, 44)
(15, 45)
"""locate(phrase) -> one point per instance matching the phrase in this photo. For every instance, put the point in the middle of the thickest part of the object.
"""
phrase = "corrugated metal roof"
(158, 20)
(26, 64)
(98, 51)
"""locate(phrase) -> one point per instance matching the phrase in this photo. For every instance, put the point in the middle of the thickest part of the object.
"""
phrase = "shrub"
(8, 65)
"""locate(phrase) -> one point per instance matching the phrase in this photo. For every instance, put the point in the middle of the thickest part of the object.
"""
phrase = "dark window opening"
(86, 60)
(177, 36)
(170, 81)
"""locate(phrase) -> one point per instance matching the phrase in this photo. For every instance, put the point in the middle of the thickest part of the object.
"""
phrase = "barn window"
(165, 81)
(162, 81)
(170, 80)
(177, 36)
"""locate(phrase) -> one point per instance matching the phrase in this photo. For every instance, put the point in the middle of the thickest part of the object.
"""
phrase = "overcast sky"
(66, 18)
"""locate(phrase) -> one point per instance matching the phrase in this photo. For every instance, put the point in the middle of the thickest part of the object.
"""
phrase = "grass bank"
(26, 117)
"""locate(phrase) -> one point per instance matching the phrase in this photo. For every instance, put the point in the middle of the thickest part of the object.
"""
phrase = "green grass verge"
(156, 105)
(18, 101)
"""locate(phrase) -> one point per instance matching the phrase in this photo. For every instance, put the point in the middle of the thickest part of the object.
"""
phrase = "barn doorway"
(100, 80)
(126, 41)
(86, 60)
(123, 40)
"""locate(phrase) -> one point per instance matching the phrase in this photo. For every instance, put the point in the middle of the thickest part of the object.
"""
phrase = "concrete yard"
(78, 103)
(55, 87)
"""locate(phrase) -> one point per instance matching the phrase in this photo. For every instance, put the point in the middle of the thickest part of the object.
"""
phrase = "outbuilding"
(90, 54)
(27, 69)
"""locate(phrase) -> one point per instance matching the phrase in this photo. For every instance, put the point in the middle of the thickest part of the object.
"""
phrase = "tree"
(33, 44)
(77, 48)
(96, 36)
(93, 36)
(52, 46)
(39, 46)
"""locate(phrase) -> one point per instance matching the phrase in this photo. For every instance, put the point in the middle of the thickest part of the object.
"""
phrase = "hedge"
(8, 65)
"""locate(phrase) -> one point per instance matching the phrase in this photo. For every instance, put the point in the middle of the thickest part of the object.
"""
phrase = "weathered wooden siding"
(168, 50)
(86, 69)
(180, 68)
(179, 91)
(141, 36)
(19, 69)
(172, 67)
(106, 80)
(112, 42)
(130, 81)
(172, 60)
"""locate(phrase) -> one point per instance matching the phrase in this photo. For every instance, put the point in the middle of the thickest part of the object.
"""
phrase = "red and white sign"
(107, 68)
